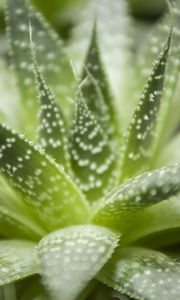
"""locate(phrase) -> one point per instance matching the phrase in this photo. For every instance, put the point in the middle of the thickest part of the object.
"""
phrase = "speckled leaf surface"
(142, 274)
(93, 160)
(15, 218)
(42, 182)
(71, 257)
(138, 144)
(96, 89)
(17, 260)
(52, 129)
(151, 47)
(141, 192)
(112, 21)
(50, 54)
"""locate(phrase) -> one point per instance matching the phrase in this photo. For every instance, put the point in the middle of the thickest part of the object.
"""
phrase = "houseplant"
(81, 203)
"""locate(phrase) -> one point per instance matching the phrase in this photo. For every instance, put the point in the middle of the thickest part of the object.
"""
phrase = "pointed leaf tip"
(141, 134)
(93, 160)
(52, 129)
(51, 57)
(96, 89)
(152, 45)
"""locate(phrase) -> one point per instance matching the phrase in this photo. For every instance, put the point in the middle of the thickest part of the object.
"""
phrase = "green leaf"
(137, 194)
(170, 103)
(14, 224)
(113, 21)
(93, 160)
(15, 216)
(156, 226)
(17, 260)
(166, 157)
(96, 90)
(52, 129)
(43, 184)
(140, 136)
(142, 274)
(50, 55)
(70, 258)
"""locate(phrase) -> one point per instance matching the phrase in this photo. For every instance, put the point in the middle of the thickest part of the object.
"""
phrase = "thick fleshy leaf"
(96, 89)
(156, 226)
(166, 157)
(112, 21)
(152, 45)
(15, 217)
(13, 225)
(44, 185)
(140, 136)
(50, 55)
(17, 260)
(71, 257)
(93, 160)
(52, 129)
(137, 194)
(142, 274)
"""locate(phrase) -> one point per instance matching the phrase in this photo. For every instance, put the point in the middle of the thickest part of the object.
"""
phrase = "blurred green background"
(62, 13)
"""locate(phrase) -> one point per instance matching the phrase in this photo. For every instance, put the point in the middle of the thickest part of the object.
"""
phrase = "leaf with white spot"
(15, 217)
(137, 194)
(52, 129)
(17, 260)
(142, 274)
(93, 160)
(140, 136)
(96, 89)
(70, 258)
(50, 55)
(114, 40)
(44, 185)
(170, 103)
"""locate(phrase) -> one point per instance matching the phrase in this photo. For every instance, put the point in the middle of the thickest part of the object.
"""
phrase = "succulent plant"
(89, 167)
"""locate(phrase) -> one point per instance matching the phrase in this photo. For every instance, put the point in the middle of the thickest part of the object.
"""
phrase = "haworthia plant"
(88, 194)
